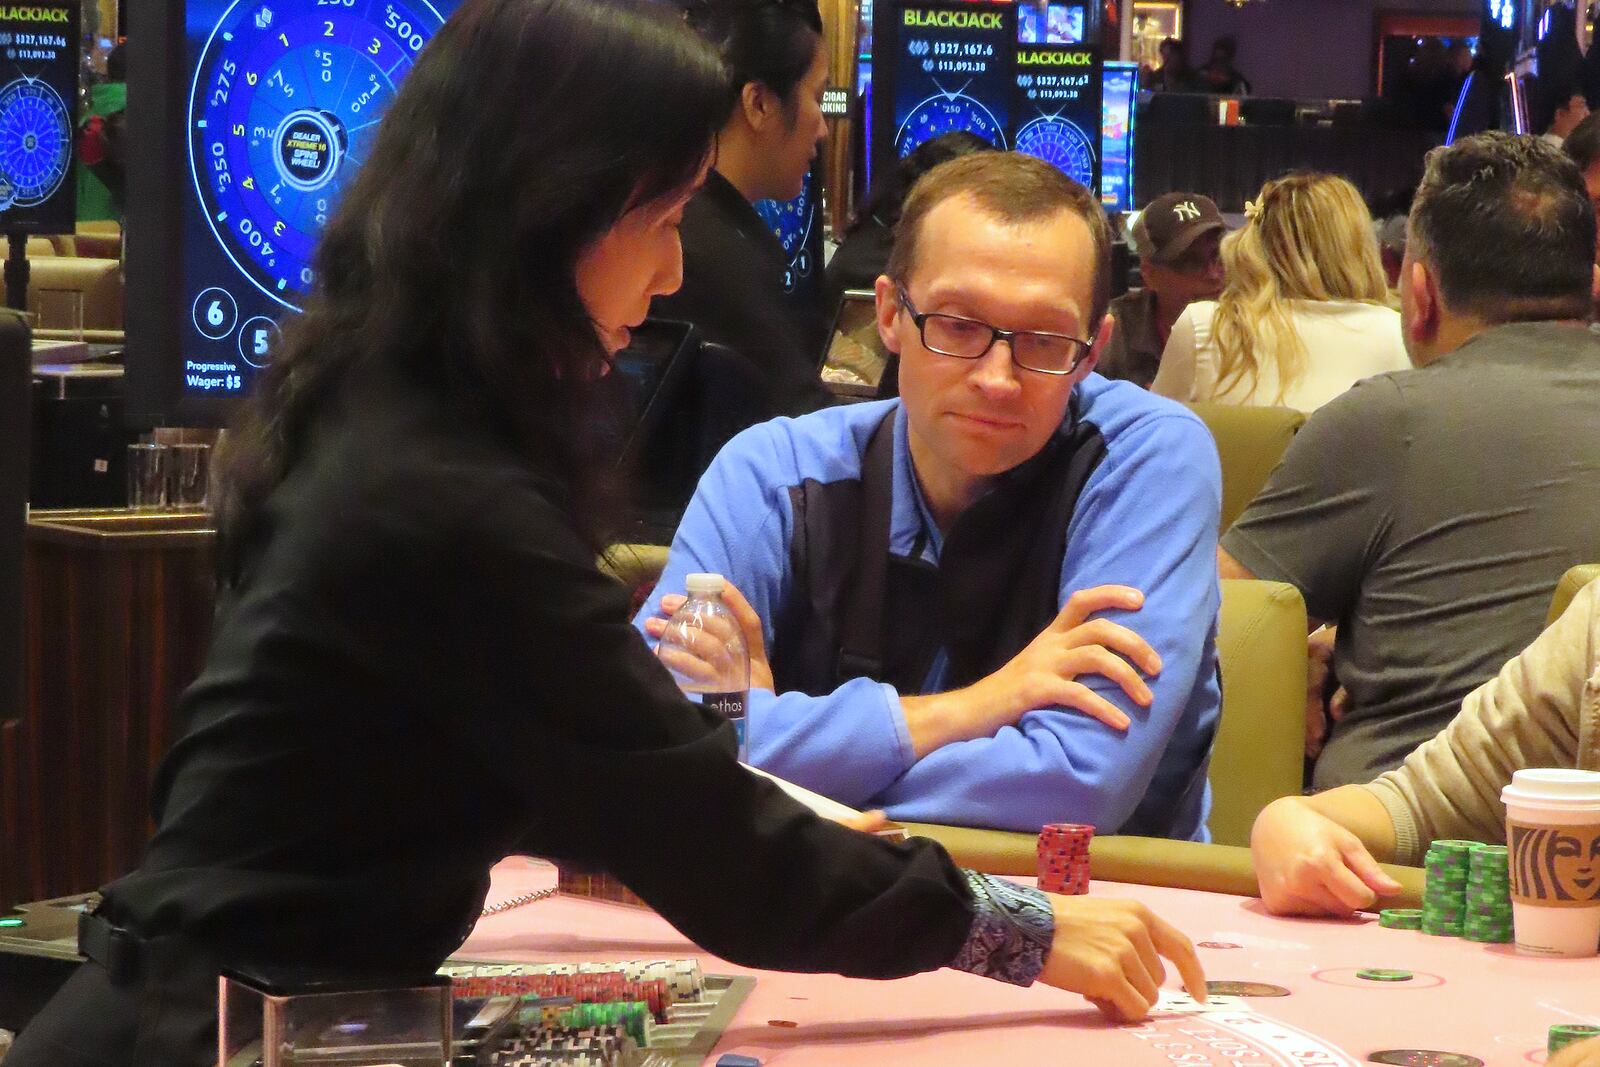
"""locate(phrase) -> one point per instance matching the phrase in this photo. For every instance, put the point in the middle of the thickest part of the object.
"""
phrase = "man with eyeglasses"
(991, 602)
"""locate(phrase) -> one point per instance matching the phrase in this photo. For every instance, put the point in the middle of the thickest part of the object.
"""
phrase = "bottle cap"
(705, 584)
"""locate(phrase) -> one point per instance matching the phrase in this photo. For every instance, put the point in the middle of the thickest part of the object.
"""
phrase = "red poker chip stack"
(1064, 858)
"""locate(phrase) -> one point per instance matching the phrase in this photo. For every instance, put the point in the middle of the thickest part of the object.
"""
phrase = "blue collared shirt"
(1147, 517)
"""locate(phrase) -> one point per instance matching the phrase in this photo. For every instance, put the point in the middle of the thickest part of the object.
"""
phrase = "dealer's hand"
(868, 822)
(1583, 1054)
(1307, 864)
(682, 660)
(1045, 674)
(1110, 951)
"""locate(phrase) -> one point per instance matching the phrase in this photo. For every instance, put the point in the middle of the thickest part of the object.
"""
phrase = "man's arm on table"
(1317, 854)
(1147, 519)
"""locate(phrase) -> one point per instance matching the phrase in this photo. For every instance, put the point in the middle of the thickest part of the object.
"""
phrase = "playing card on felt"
(1177, 1002)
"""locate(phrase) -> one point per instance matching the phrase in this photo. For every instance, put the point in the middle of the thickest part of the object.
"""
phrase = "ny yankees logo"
(1186, 211)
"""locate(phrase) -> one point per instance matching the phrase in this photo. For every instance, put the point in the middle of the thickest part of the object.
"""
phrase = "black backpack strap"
(861, 626)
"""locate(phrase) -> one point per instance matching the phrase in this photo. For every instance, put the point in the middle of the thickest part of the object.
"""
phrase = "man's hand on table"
(1583, 1054)
(1110, 951)
(1307, 864)
(1045, 675)
(755, 641)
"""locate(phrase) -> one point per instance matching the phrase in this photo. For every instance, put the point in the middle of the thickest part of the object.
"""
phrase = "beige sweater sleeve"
(1526, 716)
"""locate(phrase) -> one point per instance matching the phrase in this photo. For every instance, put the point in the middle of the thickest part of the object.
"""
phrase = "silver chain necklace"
(517, 902)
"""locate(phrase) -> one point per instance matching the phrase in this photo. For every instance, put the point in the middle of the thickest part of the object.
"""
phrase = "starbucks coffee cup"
(1553, 840)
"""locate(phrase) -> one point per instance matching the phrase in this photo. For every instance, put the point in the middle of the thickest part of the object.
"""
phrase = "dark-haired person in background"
(409, 517)
(1175, 75)
(733, 266)
(1430, 512)
(1582, 146)
(1220, 75)
(864, 252)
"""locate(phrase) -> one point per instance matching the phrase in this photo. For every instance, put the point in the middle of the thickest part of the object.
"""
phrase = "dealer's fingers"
(1175, 946)
(1139, 976)
(1145, 946)
(868, 822)
(1129, 1004)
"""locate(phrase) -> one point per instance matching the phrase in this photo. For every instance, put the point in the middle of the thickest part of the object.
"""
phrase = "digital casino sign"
(796, 226)
(1057, 108)
(284, 102)
(951, 70)
(39, 52)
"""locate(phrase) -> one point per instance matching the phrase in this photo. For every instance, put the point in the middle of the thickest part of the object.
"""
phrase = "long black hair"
(772, 42)
(525, 131)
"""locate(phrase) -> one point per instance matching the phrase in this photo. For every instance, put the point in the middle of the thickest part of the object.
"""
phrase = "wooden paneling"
(118, 614)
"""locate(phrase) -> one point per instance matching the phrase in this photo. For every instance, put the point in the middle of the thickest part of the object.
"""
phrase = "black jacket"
(421, 667)
(733, 269)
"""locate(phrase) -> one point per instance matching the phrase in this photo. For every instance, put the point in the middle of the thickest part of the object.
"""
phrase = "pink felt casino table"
(1482, 1001)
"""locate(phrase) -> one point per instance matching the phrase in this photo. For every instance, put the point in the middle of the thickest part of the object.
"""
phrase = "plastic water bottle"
(704, 649)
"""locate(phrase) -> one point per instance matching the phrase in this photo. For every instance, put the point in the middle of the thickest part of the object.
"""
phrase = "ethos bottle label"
(728, 705)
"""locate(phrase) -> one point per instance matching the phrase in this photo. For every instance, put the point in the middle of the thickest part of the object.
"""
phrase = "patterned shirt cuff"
(1012, 927)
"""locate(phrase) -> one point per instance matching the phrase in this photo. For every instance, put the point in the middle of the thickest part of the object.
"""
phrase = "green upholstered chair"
(1250, 442)
(1568, 587)
(1261, 644)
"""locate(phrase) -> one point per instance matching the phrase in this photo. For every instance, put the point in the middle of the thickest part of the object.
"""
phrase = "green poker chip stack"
(1444, 893)
(1400, 918)
(1564, 1034)
(632, 1016)
(1488, 916)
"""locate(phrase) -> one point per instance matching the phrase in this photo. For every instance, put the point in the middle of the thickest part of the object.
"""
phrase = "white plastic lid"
(1558, 787)
(708, 585)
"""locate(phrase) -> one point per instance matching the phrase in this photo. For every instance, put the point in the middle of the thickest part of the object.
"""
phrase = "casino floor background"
(247, 119)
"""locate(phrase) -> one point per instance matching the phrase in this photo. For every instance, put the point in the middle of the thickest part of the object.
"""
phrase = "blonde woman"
(1302, 316)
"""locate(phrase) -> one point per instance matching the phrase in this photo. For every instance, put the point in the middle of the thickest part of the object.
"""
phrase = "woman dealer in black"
(416, 665)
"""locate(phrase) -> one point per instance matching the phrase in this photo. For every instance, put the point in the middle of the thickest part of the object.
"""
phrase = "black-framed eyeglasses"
(963, 338)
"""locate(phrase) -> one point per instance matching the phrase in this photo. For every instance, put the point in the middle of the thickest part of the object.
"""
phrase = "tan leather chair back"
(634, 565)
(1250, 442)
(98, 280)
(1568, 587)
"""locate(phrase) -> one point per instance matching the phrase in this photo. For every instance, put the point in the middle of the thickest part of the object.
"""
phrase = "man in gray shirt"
(1430, 512)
